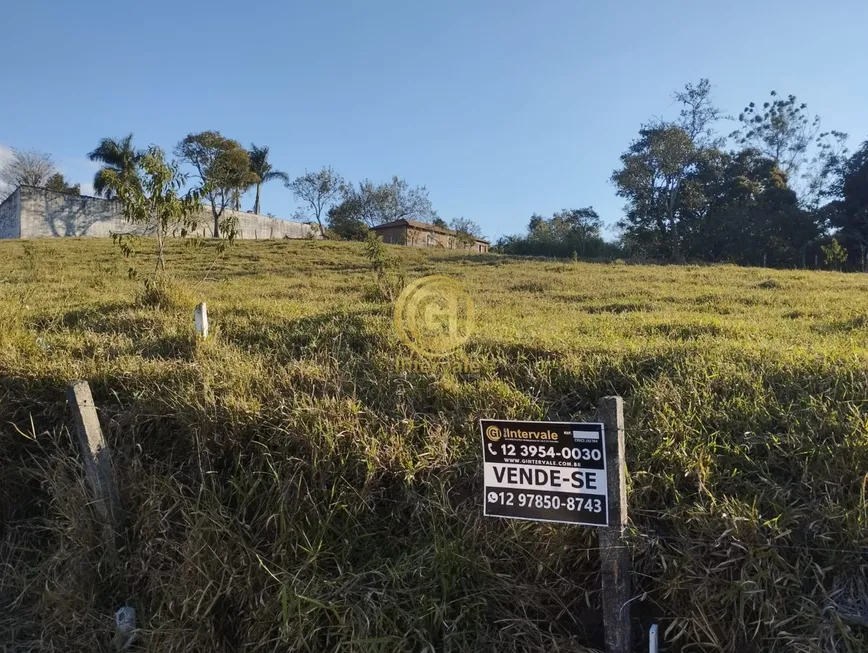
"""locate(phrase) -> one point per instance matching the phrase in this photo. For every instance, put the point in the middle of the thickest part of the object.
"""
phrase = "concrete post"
(96, 454)
(200, 318)
(616, 563)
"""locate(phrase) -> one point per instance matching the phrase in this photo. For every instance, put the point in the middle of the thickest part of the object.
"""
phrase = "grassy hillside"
(288, 488)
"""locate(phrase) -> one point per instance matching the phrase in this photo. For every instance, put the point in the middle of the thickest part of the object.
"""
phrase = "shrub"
(165, 293)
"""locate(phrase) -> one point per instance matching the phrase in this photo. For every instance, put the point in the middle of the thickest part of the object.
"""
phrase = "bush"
(165, 293)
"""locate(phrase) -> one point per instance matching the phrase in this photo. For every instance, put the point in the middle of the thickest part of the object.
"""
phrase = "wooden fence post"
(96, 454)
(616, 563)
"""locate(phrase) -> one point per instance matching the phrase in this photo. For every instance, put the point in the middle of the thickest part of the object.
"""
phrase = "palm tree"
(262, 168)
(119, 158)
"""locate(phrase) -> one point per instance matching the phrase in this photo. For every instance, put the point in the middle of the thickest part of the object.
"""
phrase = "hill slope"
(289, 488)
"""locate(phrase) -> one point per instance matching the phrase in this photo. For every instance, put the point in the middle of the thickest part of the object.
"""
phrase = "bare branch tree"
(318, 190)
(30, 168)
(698, 113)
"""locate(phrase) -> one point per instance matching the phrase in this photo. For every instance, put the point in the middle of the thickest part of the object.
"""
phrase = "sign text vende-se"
(545, 471)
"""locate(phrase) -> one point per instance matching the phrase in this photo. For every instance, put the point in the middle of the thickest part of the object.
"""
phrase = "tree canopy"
(318, 192)
(223, 169)
(118, 158)
(566, 233)
(264, 171)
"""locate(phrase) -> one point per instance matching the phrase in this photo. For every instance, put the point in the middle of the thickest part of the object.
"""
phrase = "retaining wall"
(41, 213)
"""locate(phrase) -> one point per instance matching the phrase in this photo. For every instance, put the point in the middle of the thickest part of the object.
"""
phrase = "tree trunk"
(216, 232)
(161, 262)
(256, 203)
(673, 227)
(676, 247)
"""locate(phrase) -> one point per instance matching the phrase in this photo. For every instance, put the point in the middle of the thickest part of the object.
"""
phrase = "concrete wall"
(252, 226)
(9, 211)
(45, 213)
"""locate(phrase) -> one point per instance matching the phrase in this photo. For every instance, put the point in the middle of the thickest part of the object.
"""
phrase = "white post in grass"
(652, 639)
(200, 315)
(615, 560)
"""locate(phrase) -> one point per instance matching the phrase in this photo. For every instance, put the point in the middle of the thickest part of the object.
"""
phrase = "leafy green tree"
(440, 222)
(223, 169)
(318, 191)
(582, 225)
(834, 255)
(151, 198)
(655, 169)
(343, 223)
(565, 233)
(652, 173)
(848, 212)
(58, 184)
(264, 171)
(375, 204)
(119, 158)
(738, 207)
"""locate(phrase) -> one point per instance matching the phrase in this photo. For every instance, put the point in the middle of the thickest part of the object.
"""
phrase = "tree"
(655, 168)
(536, 221)
(119, 158)
(740, 208)
(440, 222)
(343, 223)
(567, 232)
(698, 114)
(57, 183)
(27, 167)
(784, 131)
(318, 190)
(375, 204)
(224, 172)
(848, 213)
(834, 255)
(397, 200)
(650, 178)
(151, 197)
(582, 225)
(466, 230)
(264, 171)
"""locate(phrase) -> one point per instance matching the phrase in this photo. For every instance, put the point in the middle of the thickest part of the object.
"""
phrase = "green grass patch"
(289, 487)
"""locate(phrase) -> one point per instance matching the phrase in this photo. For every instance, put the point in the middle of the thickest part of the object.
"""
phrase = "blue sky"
(501, 109)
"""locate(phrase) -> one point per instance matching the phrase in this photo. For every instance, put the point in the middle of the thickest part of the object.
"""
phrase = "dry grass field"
(288, 488)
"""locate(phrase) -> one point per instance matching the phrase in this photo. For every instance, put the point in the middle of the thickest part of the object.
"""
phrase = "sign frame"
(553, 461)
